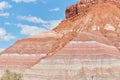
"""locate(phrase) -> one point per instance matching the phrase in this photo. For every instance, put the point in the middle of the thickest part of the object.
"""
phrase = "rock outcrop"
(38, 44)
(79, 60)
(83, 6)
(84, 46)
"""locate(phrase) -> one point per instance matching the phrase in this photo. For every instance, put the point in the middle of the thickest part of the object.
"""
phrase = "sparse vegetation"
(8, 75)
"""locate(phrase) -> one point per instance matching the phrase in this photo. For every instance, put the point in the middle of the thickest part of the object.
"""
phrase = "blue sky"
(22, 18)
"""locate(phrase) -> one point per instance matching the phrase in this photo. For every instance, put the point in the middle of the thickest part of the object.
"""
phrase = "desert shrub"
(8, 75)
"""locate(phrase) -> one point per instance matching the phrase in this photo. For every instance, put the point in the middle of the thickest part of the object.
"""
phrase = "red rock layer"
(38, 44)
(79, 60)
(82, 7)
(90, 32)
(101, 20)
(18, 63)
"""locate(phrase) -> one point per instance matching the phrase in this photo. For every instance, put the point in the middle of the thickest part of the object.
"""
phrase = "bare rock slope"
(84, 46)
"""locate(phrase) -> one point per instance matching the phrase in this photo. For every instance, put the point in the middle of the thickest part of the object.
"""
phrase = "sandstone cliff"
(84, 45)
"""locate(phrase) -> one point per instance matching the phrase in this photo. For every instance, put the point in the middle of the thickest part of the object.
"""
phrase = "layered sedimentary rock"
(79, 60)
(84, 46)
(38, 44)
(26, 52)
(83, 6)
(101, 19)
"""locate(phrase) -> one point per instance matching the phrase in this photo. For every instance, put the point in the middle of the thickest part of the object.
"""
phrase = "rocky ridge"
(90, 34)
(81, 8)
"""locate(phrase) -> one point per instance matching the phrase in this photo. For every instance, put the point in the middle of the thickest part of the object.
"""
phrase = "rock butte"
(84, 46)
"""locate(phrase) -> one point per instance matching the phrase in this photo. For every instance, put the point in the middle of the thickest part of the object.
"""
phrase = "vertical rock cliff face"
(84, 46)
(82, 7)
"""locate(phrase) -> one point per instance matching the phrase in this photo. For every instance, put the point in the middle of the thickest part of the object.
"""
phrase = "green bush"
(8, 75)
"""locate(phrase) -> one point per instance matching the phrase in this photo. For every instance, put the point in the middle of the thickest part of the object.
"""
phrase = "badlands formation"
(84, 46)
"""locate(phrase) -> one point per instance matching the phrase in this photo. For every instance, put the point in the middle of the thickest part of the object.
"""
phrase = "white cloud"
(55, 9)
(1, 49)
(25, 1)
(7, 23)
(30, 30)
(4, 14)
(48, 24)
(32, 19)
(4, 36)
(51, 24)
(43, 1)
(4, 5)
